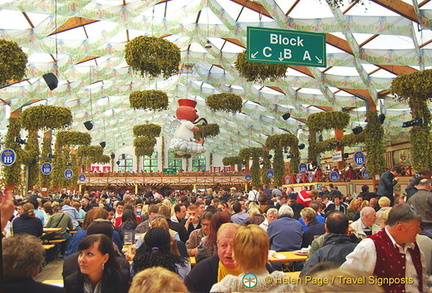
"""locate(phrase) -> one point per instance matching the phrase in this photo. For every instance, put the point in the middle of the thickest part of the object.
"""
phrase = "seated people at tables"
(253, 241)
(285, 233)
(365, 226)
(119, 219)
(61, 220)
(196, 235)
(207, 246)
(27, 222)
(70, 264)
(316, 206)
(315, 228)
(214, 268)
(145, 226)
(166, 212)
(129, 223)
(73, 213)
(254, 214)
(91, 215)
(393, 252)
(99, 270)
(23, 256)
(179, 213)
(337, 243)
(192, 222)
(157, 279)
(337, 204)
(239, 217)
(156, 251)
(353, 207)
(270, 215)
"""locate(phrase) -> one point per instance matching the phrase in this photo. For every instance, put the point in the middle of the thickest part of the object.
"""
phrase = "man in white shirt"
(253, 195)
(393, 254)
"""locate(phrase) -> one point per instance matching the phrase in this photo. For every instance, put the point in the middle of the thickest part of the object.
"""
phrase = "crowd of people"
(143, 243)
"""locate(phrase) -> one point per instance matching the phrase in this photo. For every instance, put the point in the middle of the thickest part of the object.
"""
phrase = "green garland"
(150, 130)
(416, 89)
(31, 155)
(12, 173)
(375, 144)
(104, 159)
(150, 99)
(278, 142)
(153, 56)
(255, 153)
(64, 138)
(45, 116)
(253, 71)
(210, 130)
(227, 102)
(90, 151)
(231, 161)
(328, 120)
(13, 61)
(61, 159)
(144, 146)
(44, 180)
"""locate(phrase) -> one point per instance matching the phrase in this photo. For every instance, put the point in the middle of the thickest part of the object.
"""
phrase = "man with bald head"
(365, 226)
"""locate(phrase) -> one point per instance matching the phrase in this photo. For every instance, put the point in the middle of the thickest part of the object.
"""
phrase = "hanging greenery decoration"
(149, 100)
(231, 161)
(13, 61)
(150, 130)
(30, 158)
(259, 72)
(144, 146)
(328, 120)
(72, 138)
(12, 173)
(153, 56)
(227, 102)
(279, 142)
(46, 116)
(375, 144)
(104, 159)
(209, 130)
(255, 153)
(90, 151)
(44, 180)
(266, 165)
(416, 89)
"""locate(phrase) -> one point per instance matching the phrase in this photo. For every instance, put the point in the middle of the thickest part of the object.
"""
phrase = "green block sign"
(281, 46)
(170, 170)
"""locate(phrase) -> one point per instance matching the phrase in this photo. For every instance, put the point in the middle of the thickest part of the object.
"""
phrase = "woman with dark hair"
(129, 223)
(208, 246)
(119, 220)
(99, 271)
(91, 215)
(156, 246)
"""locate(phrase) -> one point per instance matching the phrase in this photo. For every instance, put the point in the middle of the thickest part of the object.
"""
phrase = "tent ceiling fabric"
(368, 44)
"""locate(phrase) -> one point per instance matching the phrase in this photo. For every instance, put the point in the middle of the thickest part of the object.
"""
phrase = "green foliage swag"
(209, 130)
(231, 161)
(416, 89)
(255, 153)
(278, 142)
(144, 145)
(13, 61)
(150, 99)
(153, 56)
(46, 116)
(30, 158)
(150, 130)
(227, 102)
(64, 138)
(12, 173)
(259, 72)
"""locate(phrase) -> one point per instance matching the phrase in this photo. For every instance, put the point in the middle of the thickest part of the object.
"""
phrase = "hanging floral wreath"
(13, 61)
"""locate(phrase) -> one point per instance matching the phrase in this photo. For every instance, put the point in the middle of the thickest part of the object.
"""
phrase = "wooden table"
(51, 230)
(289, 256)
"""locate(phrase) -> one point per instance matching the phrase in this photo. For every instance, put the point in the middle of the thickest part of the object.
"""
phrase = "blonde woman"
(252, 240)
(157, 279)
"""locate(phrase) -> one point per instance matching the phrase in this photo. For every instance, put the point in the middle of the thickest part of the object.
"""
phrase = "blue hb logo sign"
(8, 157)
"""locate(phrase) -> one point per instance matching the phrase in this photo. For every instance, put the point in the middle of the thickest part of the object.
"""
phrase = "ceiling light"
(414, 122)
(357, 129)
(381, 118)
(103, 144)
(301, 146)
(208, 45)
(88, 125)
(286, 116)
